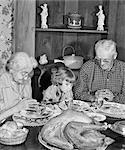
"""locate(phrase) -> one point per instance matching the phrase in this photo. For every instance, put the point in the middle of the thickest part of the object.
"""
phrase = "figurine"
(44, 15)
(101, 18)
(43, 59)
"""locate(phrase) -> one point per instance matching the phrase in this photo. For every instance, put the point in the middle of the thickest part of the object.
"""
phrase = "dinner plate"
(79, 105)
(47, 145)
(119, 127)
(30, 119)
(112, 109)
(30, 114)
(96, 116)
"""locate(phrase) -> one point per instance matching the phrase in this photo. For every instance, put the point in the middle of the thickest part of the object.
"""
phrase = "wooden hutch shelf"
(71, 30)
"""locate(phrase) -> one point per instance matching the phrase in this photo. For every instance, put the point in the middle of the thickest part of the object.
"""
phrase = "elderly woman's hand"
(26, 104)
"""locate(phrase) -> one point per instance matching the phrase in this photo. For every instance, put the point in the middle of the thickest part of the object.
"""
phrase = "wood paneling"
(25, 26)
(85, 42)
(70, 7)
(116, 25)
(120, 29)
(112, 18)
(50, 42)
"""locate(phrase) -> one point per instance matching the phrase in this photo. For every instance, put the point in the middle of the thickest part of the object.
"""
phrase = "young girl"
(61, 89)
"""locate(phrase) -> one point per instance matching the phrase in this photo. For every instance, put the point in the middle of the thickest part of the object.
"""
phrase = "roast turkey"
(84, 136)
(53, 131)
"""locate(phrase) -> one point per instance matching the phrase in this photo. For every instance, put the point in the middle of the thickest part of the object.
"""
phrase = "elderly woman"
(15, 85)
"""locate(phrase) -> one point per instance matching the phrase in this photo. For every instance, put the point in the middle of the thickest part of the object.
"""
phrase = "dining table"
(32, 142)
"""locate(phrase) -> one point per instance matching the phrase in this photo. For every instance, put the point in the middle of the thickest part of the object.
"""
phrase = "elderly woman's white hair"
(21, 61)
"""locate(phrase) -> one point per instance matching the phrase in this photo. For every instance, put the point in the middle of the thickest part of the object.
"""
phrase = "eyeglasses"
(106, 61)
(25, 74)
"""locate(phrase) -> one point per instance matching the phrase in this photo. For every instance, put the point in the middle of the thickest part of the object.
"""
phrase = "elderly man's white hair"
(22, 61)
(107, 45)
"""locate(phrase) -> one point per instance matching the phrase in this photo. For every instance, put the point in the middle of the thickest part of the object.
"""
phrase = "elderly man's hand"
(105, 94)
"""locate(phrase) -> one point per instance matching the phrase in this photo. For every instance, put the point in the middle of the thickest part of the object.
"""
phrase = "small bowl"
(121, 125)
(15, 140)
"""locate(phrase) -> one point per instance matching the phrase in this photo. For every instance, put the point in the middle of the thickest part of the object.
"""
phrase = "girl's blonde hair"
(61, 74)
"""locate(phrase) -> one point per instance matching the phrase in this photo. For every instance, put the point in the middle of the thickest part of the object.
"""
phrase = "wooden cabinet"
(30, 38)
(52, 40)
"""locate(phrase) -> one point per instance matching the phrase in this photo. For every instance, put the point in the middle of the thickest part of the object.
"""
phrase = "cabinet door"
(25, 26)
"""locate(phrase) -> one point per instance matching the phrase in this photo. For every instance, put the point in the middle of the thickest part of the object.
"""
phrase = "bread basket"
(15, 140)
(72, 61)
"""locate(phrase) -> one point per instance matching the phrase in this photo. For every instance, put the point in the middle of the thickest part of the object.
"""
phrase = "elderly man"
(104, 75)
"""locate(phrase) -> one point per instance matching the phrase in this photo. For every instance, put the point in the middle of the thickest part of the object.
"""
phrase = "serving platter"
(36, 119)
(96, 116)
(47, 145)
(50, 147)
(107, 142)
(79, 105)
(112, 109)
(119, 127)
(29, 121)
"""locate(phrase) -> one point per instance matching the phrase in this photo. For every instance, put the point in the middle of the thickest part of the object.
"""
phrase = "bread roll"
(5, 133)
(7, 129)
(10, 126)
(52, 132)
